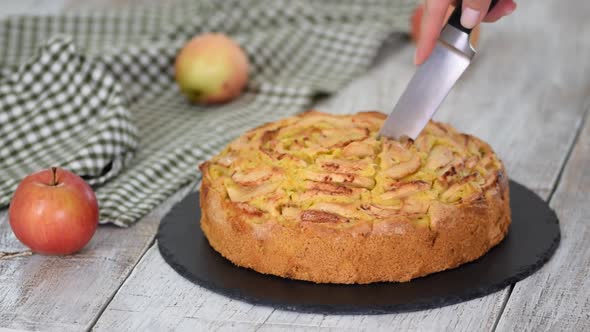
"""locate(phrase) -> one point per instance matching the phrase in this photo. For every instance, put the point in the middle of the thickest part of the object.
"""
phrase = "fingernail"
(510, 9)
(469, 18)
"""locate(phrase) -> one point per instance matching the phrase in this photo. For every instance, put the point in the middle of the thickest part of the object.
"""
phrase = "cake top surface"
(334, 170)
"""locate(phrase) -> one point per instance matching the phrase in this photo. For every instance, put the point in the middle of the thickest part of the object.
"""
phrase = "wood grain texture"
(522, 106)
(143, 304)
(69, 293)
(530, 118)
(557, 298)
(66, 294)
(156, 298)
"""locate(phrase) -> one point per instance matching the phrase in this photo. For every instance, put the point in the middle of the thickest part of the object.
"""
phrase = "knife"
(432, 81)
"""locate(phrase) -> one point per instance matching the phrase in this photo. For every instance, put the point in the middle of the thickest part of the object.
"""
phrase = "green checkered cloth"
(94, 92)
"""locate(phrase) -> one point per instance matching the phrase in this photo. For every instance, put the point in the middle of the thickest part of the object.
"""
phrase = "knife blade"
(432, 81)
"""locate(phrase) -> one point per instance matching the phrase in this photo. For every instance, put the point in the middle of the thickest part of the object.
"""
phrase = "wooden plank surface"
(531, 125)
(558, 297)
(510, 97)
(69, 293)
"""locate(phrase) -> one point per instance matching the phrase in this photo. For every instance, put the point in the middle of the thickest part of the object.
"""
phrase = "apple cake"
(322, 198)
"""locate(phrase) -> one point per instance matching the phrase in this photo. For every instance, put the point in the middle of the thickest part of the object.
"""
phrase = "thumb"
(473, 12)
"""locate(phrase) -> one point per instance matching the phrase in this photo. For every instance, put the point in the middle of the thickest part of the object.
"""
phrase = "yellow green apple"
(211, 68)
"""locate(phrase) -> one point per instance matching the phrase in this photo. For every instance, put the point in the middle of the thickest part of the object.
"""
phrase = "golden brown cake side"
(400, 229)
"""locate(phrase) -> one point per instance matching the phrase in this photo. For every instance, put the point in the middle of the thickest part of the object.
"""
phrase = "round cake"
(322, 198)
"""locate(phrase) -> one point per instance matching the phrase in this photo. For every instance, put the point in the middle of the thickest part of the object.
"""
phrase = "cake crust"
(417, 208)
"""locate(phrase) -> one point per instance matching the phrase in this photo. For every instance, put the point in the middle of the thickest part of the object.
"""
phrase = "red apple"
(211, 68)
(53, 212)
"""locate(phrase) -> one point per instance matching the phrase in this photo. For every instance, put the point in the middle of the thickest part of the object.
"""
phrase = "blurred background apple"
(211, 68)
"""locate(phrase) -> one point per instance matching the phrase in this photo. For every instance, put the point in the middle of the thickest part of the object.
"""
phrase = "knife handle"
(455, 19)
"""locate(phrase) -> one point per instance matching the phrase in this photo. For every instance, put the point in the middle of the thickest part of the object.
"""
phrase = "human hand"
(474, 12)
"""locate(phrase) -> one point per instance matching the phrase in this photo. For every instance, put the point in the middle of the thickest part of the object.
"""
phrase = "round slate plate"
(534, 235)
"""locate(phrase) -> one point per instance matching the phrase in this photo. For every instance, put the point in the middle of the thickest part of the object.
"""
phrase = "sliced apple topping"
(491, 179)
(380, 211)
(471, 162)
(369, 119)
(329, 192)
(328, 188)
(478, 148)
(254, 177)
(415, 206)
(451, 173)
(440, 156)
(321, 217)
(395, 152)
(240, 144)
(360, 149)
(330, 164)
(268, 143)
(226, 160)
(404, 168)
(244, 194)
(463, 191)
(424, 143)
(270, 202)
(334, 212)
(438, 129)
(341, 209)
(337, 138)
(403, 190)
(249, 209)
(320, 168)
(341, 178)
(488, 161)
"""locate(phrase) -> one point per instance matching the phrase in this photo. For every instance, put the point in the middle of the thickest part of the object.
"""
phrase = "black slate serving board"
(534, 235)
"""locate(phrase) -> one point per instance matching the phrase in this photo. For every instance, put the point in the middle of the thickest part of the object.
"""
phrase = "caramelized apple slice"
(329, 188)
(463, 191)
(381, 212)
(343, 166)
(440, 156)
(226, 160)
(253, 177)
(491, 179)
(395, 152)
(249, 209)
(360, 149)
(345, 209)
(347, 179)
(333, 138)
(244, 194)
(404, 168)
(331, 192)
(402, 190)
(315, 216)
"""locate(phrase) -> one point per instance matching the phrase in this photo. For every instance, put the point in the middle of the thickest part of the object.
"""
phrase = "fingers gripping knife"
(432, 81)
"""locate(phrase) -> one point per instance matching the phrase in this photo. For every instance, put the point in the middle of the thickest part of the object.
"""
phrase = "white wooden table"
(528, 94)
